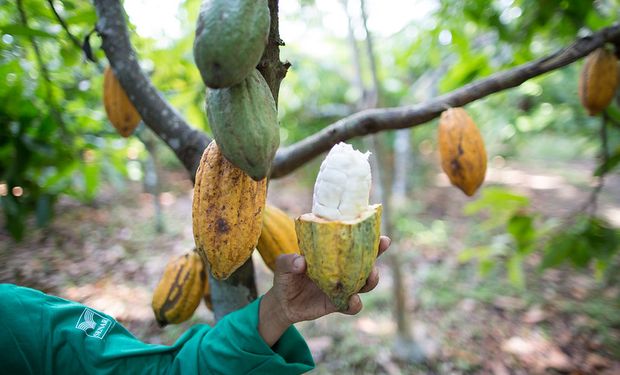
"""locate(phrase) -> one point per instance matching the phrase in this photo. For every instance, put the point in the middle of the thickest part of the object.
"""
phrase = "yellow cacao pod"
(340, 237)
(598, 80)
(120, 110)
(227, 213)
(178, 293)
(277, 236)
(461, 147)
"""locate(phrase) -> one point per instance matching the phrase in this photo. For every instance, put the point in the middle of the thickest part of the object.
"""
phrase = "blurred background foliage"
(55, 139)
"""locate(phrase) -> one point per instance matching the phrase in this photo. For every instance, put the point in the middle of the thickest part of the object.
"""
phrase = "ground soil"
(108, 255)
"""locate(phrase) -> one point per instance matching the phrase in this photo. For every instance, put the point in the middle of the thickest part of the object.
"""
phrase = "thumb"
(290, 263)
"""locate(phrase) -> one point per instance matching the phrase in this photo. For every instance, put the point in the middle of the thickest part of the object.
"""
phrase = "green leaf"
(520, 226)
(514, 267)
(486, 266)
(557, 250)
(21, 30)
(91, 179)
(495, 198)
(480, 252)
(603, 240)
(86, 16)
(14, 217)
(610, 164)
(579, 252)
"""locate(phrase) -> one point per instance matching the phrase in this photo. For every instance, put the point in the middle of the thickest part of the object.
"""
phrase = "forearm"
(272, 322)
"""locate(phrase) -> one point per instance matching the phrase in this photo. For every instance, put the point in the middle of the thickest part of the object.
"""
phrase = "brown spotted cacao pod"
(120, 110)
(277, 236)
(227, 213)
(598, 80)
(462, 151)
(178, 293)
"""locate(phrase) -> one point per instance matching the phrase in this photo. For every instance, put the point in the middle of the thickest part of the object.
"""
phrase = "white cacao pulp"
(342, 186)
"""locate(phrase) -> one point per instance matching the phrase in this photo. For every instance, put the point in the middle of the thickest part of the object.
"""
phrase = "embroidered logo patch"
(94, 324)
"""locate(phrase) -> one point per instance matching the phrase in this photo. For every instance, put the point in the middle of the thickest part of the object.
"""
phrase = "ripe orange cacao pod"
(462, 151)
(277, 236)
(120, 110)
(227, 213)
(598, 80)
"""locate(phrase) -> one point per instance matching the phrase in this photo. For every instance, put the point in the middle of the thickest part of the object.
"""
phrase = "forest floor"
(109, 256)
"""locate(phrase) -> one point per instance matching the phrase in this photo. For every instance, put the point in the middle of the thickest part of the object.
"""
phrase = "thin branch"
(51, 100)
(186, 142)
(375, 120)
(373, 98)
(64, 25)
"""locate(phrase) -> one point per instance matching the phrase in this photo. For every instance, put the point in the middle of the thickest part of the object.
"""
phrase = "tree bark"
(186, 142)
(375, 120)
(270, 66)
(189, 143)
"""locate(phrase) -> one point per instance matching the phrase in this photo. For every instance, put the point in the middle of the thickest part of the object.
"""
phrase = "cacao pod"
(598, 80)
(244, 121)
(227, 213)
(340, 238)
(231, 36)
(178, 293)
(277, 236)
(120, 110)
(461, 147)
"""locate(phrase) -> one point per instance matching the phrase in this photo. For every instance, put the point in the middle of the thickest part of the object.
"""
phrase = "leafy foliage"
(53, 142)
(582, 240)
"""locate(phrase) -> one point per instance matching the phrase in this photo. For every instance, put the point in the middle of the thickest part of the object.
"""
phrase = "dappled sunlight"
(509, 176)
(376, 326)
(613, 215)
(122, 301)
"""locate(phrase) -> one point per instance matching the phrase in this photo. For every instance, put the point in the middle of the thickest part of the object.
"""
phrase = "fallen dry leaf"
(537, 353)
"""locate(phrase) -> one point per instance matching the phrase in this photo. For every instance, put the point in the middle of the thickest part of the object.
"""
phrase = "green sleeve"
(42, 334)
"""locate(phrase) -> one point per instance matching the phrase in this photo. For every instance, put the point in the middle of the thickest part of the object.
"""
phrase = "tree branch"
(270, 66)
(186, 142)
(51, 98)
(64, 25)
(375, 120)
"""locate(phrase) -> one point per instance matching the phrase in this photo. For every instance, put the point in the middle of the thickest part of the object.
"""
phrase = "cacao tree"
(461, 86)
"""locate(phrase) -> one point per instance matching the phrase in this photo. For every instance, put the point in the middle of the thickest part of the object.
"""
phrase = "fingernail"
(298, 263)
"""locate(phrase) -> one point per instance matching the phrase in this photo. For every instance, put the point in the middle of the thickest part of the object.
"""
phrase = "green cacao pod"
(227, 213)
(462, 151)
(231, 36)
(180, 289)
(340, 238)
(244, 121)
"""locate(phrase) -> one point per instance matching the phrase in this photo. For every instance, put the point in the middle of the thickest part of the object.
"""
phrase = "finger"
(355, 305)
(290, 263)
(384, 243)
(371, 281)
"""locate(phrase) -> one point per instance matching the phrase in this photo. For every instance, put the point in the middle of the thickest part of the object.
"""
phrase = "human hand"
(294, 297)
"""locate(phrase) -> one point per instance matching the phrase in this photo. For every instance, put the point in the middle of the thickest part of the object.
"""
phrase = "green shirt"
(42, 334)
